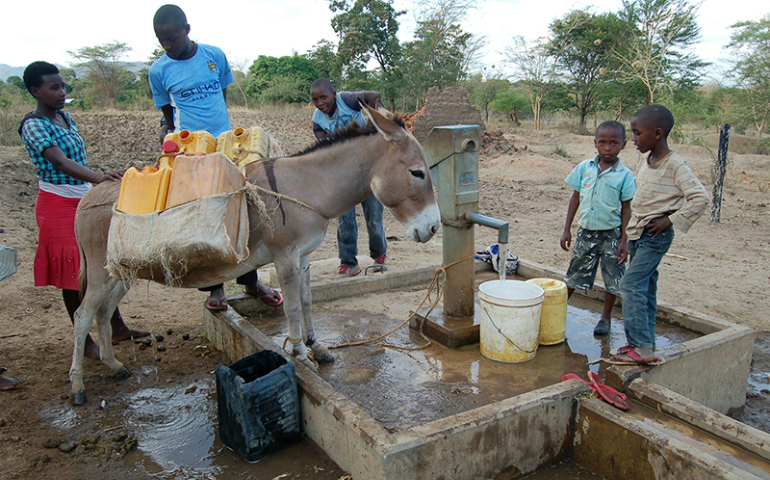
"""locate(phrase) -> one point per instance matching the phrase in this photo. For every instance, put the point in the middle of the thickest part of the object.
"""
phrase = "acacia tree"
(284, 79)
(104, 71)
(483, 91)
(655, 48)
(536, 68)
(367, 30)
(750, 47)
(582, 42)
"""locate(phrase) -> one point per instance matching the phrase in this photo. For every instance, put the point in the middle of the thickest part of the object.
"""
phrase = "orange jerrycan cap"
(169, 146)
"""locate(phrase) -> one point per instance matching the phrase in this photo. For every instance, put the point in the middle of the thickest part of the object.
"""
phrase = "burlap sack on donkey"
(164, 246)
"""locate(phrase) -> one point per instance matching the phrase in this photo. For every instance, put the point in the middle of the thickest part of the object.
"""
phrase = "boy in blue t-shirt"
(604, 188)
(189, 85)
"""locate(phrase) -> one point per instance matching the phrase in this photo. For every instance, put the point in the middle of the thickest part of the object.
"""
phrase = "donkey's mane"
(349, 133)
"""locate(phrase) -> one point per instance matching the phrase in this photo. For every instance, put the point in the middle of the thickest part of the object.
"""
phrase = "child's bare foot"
(10, 383)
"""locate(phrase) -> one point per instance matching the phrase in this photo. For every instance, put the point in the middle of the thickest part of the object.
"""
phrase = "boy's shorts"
(591, 246)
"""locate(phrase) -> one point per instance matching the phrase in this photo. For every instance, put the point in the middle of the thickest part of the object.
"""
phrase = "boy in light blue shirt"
(603, 188)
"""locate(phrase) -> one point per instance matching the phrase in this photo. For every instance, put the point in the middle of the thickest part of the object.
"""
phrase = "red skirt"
(57, 260)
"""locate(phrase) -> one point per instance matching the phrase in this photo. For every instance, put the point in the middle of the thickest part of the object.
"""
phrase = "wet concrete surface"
(757, 409)
(404, 385)
(563, 471)
(700, 440)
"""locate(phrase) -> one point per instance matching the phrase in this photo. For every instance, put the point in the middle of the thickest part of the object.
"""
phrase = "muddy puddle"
(176, 434)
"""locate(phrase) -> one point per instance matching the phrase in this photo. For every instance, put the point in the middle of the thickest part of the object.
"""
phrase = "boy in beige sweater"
(668, 195)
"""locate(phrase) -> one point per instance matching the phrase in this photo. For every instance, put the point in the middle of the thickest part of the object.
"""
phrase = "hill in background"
(9, 71)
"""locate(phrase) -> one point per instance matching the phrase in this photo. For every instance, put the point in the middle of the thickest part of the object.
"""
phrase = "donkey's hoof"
(79, 398)
(123, 373)
(321, 354)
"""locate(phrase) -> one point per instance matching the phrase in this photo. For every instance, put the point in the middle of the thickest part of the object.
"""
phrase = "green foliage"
(105, 76)
(267, 74)
(435, 58)
(482, 93)
(326, 62)
(750, 48)
(368, 30)
(511, 103)
(16, 81)
(655, 46)
(582, 43)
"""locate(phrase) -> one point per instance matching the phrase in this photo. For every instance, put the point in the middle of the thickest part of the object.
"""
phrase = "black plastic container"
(258, 405)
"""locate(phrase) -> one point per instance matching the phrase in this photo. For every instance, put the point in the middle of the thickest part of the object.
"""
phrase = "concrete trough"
(504, 439)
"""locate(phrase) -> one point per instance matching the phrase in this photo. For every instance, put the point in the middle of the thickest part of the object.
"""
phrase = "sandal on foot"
(216, 304)
(631, 357)
(273, 299)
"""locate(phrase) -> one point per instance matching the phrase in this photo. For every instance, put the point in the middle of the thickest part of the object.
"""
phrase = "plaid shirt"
(40, 133)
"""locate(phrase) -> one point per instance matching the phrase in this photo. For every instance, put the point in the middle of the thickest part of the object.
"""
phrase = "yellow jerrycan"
(191, 143)
(553, 315)
(199, 176)
(244, 146)
(143, 192)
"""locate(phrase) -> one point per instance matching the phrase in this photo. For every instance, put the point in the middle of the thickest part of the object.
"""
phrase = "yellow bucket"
(553, 317)
(510, 320)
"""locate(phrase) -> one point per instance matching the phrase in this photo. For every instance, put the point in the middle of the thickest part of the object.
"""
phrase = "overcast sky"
(245, 29)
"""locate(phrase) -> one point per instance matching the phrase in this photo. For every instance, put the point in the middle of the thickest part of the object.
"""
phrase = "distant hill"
(8, 71)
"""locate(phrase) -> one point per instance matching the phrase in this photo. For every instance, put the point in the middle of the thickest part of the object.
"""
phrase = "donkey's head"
(401, 179)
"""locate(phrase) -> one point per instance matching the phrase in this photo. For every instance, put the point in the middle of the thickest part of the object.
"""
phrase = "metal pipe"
(499, 225)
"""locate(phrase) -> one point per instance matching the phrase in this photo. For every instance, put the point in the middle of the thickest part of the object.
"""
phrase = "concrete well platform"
(401, 412)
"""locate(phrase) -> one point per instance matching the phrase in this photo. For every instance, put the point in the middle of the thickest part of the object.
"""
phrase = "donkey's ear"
(387, 127)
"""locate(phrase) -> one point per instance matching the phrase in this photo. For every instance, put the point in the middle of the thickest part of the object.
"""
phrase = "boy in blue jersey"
(336, 111)
(603, 188)
(189, 85)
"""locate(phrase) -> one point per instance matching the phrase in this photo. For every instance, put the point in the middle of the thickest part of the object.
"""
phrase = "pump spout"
(499, 225)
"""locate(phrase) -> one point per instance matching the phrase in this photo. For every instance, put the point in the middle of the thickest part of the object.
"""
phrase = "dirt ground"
(722, 269)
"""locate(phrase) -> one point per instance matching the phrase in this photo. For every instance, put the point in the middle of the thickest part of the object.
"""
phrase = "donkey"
(330, 178)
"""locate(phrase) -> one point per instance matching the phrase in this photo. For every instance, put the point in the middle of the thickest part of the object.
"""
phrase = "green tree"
(510, 102)
(482, 92)
(655, 48)
(104, 72)
(368, 29)
(16, 81)
(582, 42)
(750, 48)
(281, 80)
(435, 58)
(535, 64)
(325, 60)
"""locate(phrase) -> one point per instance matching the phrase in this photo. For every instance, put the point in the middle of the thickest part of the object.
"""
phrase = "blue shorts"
(590, 247)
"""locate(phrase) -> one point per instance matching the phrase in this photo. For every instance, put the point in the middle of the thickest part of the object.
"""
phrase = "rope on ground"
(435, 283)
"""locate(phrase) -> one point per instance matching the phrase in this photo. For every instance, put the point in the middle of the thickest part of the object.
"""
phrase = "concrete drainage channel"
(675, 429)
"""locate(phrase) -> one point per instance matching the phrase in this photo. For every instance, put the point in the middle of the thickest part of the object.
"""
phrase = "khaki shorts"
(590, 247)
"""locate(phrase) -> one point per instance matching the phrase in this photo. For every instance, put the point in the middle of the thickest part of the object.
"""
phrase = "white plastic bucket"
(510, 320)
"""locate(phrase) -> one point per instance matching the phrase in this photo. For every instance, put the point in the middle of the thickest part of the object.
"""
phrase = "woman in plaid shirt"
(58, 153)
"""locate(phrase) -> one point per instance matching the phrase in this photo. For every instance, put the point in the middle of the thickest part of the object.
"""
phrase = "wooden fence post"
(719, 176)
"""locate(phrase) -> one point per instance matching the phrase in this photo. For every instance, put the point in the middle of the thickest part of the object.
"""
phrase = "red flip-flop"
(216, 305)
(274, 298)
(607, 393)
(629, 356)
(602, 391)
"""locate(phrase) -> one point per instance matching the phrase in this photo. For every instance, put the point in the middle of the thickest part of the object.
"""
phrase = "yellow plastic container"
(144, 192)
(200, 176)
(191, 143)
(244, 146)
(553, 317)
